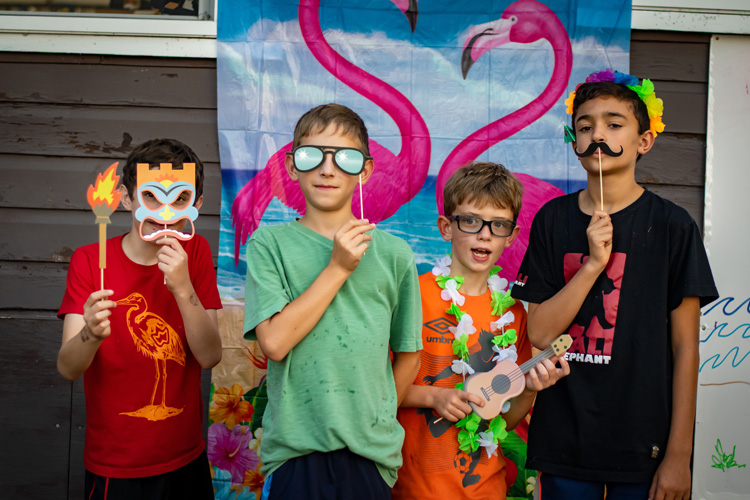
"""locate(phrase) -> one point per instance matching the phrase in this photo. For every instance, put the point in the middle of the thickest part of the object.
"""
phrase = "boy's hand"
(96, 313)
(546, 374)
(349, 244)
(671, 481)
(599, 234)
(452, 404)
(173, 262)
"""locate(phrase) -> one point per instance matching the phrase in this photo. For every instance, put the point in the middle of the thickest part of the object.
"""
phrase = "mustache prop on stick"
(604, 147)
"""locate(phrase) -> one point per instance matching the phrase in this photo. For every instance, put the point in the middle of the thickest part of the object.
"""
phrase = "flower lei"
(645, 91)
(468, 438)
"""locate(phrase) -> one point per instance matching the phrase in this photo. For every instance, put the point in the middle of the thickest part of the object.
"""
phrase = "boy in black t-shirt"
(624, 272)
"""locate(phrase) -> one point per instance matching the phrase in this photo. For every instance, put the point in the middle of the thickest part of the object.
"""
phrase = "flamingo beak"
(410, 10)
(481, 38)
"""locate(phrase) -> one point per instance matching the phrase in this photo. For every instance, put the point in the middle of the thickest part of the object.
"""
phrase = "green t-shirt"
(334, 389)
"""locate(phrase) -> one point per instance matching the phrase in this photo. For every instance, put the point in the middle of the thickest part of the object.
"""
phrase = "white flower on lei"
(505, 407)
(485, 440)
(497, 284)
(442, 267)
(451, 293)
(508, 353)
(461, 367)
(465, 325)
(504, 320)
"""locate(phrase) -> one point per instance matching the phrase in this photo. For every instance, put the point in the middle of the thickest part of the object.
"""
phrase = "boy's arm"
(83, 334)
(545, 374)
(672, 478)
(201, 325)
(278, 334)
(405, 369)
(546, 321)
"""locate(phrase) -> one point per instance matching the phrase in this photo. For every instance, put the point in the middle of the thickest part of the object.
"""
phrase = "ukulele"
(507, 379)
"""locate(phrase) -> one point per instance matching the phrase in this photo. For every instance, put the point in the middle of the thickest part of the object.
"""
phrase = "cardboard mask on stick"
(166, 197)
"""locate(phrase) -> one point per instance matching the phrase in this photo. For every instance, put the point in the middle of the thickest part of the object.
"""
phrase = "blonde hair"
(483, 183)
(320, 117)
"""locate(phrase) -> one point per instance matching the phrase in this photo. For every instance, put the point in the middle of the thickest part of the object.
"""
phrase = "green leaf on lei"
(506, 339)
(467, 442)
(500, 302)
(460, 386)
(495, 270)
(460, 348)
(455, 311)
(442, 280)
(497, 426)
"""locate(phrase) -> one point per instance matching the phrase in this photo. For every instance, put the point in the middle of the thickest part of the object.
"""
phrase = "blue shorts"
(335, 475)
(189, 481)
(551, 487)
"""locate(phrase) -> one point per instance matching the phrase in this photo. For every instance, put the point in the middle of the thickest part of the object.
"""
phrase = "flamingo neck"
(486, 137)
(399, 108)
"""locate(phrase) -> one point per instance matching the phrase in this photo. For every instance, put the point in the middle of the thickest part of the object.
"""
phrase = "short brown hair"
(483, 183)
(157, 151)
(320, 117)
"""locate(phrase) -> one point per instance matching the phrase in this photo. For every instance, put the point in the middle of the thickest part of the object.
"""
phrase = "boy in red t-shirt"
(443, 460)
(142, 340)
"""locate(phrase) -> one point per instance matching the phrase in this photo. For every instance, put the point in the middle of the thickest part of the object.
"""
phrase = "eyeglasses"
(473, 225)
(349, 160)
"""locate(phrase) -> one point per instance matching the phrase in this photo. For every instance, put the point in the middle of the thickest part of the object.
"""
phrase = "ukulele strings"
(525, 367)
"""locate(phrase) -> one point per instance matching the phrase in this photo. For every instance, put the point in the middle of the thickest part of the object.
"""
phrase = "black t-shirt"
(609, 419)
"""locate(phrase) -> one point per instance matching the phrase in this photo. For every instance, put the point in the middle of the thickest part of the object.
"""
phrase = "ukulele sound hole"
(501, 384)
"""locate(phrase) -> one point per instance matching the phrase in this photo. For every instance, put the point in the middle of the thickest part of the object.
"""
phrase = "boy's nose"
(599, 135)
(485, 233)
(327, 168)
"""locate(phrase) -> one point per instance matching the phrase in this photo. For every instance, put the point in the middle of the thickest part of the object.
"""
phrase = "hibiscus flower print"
(230, 407)
(228, 450)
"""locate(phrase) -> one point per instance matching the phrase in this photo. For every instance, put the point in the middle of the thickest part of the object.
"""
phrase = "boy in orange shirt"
(469, 323)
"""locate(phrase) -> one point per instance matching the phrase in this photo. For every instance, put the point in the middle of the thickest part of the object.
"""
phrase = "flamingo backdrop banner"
(439, 84)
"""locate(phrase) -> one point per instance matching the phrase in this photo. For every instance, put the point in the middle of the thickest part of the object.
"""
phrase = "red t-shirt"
(434, 467)
(143, 399)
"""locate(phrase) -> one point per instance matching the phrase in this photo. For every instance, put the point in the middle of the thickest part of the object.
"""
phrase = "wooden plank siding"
(64, 118)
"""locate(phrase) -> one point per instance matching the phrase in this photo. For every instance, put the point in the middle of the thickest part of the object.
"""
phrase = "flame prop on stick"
(104, 198)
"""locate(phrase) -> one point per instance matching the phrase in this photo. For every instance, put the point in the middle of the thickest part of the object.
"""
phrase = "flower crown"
(645, 91)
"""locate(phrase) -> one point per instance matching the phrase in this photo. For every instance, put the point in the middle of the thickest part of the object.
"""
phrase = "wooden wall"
(64, 118)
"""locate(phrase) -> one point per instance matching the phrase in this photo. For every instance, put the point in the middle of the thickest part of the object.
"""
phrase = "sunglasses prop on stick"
(103, 196)
(166, 197)
(349, 160)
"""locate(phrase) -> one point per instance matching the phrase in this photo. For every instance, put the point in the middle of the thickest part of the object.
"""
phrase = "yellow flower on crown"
(657, 127)
(569, 102)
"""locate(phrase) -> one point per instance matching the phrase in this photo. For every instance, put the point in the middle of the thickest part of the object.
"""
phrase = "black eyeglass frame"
(332, 150)
(457, 219)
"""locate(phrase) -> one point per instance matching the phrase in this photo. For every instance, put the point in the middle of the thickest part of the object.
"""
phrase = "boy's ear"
(291, 170)
(445, 228)
(513, 235)
(646, 142)
(367, 172)
(198, 203)
(125, 198)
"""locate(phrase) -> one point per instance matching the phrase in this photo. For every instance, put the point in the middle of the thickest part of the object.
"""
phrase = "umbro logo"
(440, 325)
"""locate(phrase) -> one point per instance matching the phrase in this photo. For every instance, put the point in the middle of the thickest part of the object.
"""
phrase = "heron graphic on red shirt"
(155, 339)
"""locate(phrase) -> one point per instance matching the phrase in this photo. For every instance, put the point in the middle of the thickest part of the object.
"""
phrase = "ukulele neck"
(545, 354)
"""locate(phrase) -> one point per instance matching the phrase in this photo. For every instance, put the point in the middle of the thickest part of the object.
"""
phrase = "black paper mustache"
(598, 145)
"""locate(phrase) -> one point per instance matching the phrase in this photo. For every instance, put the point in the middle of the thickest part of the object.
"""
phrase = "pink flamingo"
(524, 21)
(397, 178)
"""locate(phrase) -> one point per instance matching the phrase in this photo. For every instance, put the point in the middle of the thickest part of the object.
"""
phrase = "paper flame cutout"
(103, 196)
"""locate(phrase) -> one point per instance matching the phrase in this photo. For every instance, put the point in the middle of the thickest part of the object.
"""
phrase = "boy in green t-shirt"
(325, 314)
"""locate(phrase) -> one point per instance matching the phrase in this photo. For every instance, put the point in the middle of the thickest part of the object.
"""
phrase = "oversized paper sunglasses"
(348, 160)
